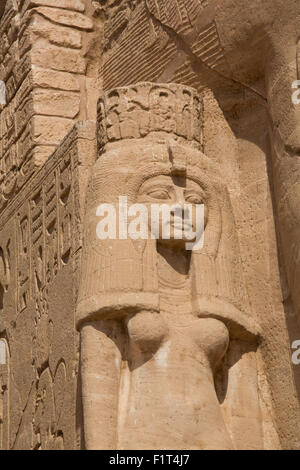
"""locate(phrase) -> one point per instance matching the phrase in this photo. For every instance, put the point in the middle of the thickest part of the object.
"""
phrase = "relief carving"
(24, 271)
(4, 395)
(156, 320)
(166, 345)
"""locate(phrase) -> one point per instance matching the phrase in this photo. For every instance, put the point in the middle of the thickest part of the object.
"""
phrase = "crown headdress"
(139, 110)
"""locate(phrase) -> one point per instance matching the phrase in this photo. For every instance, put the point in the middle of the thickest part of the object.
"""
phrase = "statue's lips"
(180, 225)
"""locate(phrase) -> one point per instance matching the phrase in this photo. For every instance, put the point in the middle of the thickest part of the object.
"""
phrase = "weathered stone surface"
(50, 130)
(77, 5)
(58, 58)
(58, 35)
(57, 103)
(66, 18)
(134, 344)
(45, 78)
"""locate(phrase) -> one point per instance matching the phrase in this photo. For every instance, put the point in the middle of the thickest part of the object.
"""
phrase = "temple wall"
(41, 237)
(44, 60)
(54, 62)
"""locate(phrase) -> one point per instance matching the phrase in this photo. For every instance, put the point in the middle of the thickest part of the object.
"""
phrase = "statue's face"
(181, 191)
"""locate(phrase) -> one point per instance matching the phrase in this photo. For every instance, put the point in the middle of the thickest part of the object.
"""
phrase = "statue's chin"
(175, 244)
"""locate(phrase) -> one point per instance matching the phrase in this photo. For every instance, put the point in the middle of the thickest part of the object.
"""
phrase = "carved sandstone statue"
(155, 318)
(221, 46)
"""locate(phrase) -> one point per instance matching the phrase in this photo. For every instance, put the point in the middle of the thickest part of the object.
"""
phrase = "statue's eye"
(158, 193)
(194, 198)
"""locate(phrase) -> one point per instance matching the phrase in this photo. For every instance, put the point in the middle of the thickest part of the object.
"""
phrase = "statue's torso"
(170, 394)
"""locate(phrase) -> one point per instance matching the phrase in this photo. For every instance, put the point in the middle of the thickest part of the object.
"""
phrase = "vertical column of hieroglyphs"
(51, 227)
(24, 249)
(4, 395)
(65, 209)
(37, 239)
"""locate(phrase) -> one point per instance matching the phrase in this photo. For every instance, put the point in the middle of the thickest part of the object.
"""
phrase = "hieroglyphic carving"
(16, 112)
(37, 237)
(47, 413)
(5, 275)
(4, 395)
(42, 104)
(24, 249)
(46, 231)
(47, 235)
(65, 209)
(8, 156)
(51, 209)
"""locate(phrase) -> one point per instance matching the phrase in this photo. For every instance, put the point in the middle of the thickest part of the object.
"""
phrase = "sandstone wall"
(41, 236)
(44, 60)
(54, 59)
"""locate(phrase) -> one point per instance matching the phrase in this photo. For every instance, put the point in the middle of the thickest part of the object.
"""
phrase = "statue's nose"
(179, 197)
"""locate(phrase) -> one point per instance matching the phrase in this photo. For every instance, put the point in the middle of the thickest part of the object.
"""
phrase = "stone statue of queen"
(167, 347)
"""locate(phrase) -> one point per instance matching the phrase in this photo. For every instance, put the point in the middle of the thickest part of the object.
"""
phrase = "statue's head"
(150, 141)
